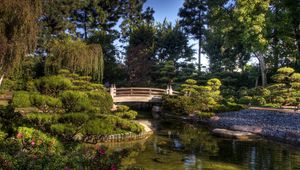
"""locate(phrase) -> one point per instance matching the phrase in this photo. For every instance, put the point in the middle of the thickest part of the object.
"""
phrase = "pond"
(189, 147)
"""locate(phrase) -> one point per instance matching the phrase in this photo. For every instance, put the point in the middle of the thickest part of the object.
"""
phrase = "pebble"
(284, 126)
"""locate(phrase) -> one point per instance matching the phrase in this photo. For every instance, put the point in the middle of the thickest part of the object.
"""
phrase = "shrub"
(37, 142)
(122, 108)
(21, 99)
(46, 103)
(127, 114)
(41, 119)
(53, 85)
(204, 114)
(74, 118)
(66, 130)
(101, 100)
(245, 100)
(75, 101)
(30, 86)
(2, 136)
(98, 127)
(258, 101)
(7, 85)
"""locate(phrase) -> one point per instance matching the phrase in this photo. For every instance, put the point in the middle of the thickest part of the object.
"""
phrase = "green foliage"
(46, 103)
(245, 100)
(21, 99)
(41, 119)
(75, 101)
(53, 85)
(101, 101)
(74, 118)
(36, 141)
(258, 101)
(75, 55)
(127, 114)
(64, 129)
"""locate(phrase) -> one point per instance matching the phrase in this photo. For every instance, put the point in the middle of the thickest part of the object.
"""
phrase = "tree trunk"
(297, 37)
(199, 54)
(262, 66)
(1, 79)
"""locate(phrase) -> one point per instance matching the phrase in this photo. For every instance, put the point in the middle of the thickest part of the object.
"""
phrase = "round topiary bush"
(75, 101)
(245, 100)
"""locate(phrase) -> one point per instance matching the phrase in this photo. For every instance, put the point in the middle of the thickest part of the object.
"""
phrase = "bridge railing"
(140, 91)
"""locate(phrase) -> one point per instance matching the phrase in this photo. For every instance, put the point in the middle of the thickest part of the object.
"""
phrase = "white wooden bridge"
(139, 94)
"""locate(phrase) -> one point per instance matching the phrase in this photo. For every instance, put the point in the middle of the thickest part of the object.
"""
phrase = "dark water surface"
(182, 146)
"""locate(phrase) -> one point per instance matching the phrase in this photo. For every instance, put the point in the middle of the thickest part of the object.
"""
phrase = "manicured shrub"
(98, 127)
(245, 100)
(21, 99)
(122, 108)
(30, 86)
(53, 85)
(41, 119)
(46, 103)
(203, 115)
(75, 101)
(101, 100)
(74, 118)
(127, 114)
(258, 101)
(66, 130)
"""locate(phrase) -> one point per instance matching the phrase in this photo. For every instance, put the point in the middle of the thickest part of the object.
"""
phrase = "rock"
(233, 134)
(252, 129)
(214, 118)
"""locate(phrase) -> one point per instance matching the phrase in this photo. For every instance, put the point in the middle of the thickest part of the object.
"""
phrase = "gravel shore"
(282, 126)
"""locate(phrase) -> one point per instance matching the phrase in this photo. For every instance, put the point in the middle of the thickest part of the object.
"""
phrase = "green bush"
(74, 118)
(122, 108)
(46, 103)
(101, 100)
(2, 136)
(258, 101)
(64, 129)
(7, 85)
(53, 85)
(30, 86)
(127, 114)
(41, 119)
(99, 127)
(36, 141)
(204, 114)
(245, 100)
(21, 99)
(75, 101)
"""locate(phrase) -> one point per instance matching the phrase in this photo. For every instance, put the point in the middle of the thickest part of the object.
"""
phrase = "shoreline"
(275, 125)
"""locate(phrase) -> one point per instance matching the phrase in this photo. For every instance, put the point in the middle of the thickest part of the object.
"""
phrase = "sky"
(169, 9)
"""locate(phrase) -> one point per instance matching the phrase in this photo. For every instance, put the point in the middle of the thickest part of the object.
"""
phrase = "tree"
(140, 54)
(173, 53)
(193, 19)
(18, 31)
(76, 56)
(251, 18)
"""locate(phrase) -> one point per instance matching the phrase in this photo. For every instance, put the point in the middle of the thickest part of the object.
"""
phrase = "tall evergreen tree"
(193, 19)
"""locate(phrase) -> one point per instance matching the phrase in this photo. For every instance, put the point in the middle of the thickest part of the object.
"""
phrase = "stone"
(233, 134)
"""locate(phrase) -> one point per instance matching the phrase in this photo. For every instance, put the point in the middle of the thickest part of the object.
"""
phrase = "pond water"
(182, 146)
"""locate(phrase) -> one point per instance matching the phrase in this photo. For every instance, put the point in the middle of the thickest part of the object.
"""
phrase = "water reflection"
(186, 147)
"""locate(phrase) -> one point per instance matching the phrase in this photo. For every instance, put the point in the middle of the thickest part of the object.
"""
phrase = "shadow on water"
(184, 146)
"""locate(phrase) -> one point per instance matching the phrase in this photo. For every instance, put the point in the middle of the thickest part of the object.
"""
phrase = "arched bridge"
(139, 94)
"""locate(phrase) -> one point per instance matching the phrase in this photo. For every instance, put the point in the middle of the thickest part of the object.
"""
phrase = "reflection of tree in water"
(197, 140)
(131, 153)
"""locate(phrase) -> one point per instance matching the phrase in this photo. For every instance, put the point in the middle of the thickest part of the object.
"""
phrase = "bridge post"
(113, 90)
(169, 89)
